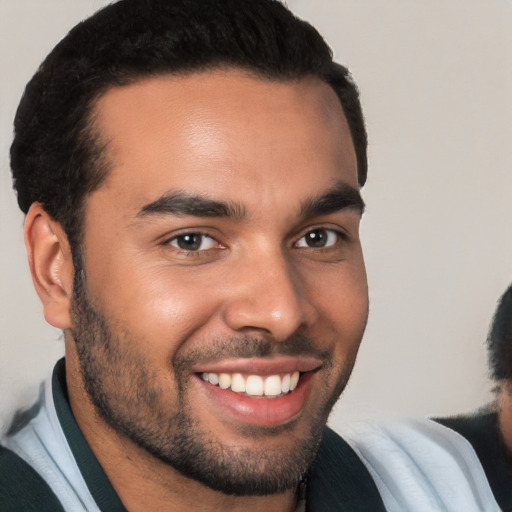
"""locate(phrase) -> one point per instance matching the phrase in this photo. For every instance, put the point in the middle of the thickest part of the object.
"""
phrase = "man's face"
(222, 261)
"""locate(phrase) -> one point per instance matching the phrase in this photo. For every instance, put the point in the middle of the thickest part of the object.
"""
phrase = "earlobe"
(51, 265)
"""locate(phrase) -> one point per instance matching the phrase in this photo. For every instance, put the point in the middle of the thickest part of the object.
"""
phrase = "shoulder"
(422, 465)
(22, 488)
(482, 431)
(338, 480)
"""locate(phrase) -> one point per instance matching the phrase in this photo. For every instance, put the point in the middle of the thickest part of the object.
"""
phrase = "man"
(190, 174)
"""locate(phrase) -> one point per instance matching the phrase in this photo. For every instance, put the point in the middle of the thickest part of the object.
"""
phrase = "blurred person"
(490, 430)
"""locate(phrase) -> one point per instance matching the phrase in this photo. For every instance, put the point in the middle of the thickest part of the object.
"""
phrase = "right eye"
(193, 242)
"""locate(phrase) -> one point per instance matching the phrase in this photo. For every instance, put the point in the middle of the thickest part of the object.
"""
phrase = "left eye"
(318, 238)
(193, 242)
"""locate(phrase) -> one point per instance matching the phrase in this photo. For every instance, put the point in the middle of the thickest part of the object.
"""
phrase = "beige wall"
(436, 83)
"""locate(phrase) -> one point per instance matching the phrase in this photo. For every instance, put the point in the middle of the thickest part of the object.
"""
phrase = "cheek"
(341, 297)
(158, 304)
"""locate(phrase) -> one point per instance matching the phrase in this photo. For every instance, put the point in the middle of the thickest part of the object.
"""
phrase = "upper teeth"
(254, 385)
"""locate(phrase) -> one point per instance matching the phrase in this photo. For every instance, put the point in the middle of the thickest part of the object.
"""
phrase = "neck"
(145, 483)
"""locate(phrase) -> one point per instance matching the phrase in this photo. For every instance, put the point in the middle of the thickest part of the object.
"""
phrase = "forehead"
(226, 134)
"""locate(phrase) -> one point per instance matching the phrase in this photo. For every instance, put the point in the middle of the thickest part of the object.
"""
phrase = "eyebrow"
(340, 197)
(181, 203)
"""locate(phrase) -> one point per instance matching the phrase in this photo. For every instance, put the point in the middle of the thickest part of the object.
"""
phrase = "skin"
(505, 414)
(270, 148)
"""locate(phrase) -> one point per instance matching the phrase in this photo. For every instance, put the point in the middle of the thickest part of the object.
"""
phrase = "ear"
(51, 265)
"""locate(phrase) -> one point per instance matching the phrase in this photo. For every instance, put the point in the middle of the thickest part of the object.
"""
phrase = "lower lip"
(260, 410)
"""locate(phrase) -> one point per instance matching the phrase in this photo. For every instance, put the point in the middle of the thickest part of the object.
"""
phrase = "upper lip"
(260, 366)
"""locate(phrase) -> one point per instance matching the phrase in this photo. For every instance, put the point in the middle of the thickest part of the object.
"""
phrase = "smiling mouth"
(271, 386)
(258, 392)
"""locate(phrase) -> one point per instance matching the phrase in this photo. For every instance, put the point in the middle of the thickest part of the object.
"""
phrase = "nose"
(268, 295)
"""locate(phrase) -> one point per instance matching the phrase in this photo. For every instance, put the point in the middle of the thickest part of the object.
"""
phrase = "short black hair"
(56, 157)
(499, 339)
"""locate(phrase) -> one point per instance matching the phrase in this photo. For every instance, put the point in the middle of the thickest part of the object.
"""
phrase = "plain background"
(436, 86)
